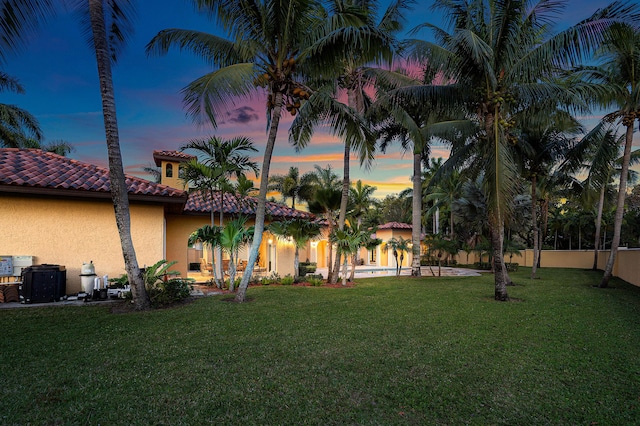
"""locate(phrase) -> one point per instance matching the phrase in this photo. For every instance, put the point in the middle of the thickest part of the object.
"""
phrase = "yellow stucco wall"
(178, 230)
(69, 232)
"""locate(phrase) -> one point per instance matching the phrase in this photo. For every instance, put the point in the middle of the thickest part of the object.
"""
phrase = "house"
(385, 232)
(59, 211)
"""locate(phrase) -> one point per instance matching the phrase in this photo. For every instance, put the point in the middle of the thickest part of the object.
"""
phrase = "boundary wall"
(626, 267)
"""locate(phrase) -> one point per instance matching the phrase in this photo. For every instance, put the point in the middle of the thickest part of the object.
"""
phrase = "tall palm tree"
(598, 153)
(545, 135)
(291, 185)
(326, 202)
(374, 44)
(270, 43)
(226, 158)
(501, 56)
(360, 199)
(217, 160)
(107, 25)
(446, 189)
(620, 74)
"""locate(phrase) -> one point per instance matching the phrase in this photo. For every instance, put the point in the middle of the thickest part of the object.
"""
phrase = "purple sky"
(59, 74)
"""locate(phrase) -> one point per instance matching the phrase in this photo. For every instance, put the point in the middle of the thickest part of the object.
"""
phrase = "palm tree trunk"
(296, 263)
(622, 193)
(119, 191)
(262, 198)
(544, 212)
(416, 214)
(598, 226)
(232, 272)
(354, 260)
(344, 201)
(330, 268)
(219, 250)
(345, 268)
(534, 223)
(496, 231)
(214, 249)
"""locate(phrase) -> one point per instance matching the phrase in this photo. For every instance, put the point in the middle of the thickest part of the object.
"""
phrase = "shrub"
(485, 266)
(170, 291)
(315, 281)
(305, 268)
(287, 280)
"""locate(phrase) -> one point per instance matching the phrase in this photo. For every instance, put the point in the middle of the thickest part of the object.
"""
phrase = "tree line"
(496, 83)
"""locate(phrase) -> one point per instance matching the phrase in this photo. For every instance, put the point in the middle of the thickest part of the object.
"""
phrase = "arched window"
(169, 172)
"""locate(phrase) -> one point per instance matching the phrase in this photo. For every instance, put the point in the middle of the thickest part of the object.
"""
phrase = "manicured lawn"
(388, 351)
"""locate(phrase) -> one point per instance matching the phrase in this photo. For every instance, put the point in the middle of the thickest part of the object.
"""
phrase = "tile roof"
(395, 225)
(197, 203)
(26, 170)
(33, 170)
(158, 156)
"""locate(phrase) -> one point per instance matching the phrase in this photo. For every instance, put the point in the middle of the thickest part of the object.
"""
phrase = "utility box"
(6, 266)
(20, 263)
(43, 283)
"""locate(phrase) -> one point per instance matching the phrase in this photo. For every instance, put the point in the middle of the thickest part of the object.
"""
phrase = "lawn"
(387, 351)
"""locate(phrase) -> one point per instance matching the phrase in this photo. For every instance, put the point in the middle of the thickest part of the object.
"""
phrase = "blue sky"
(59, 74)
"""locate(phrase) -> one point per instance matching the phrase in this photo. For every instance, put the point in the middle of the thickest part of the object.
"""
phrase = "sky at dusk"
(58, 71)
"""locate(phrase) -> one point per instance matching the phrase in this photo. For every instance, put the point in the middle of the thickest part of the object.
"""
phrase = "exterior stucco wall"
(69, 232)
(179, 228)
(386, 258)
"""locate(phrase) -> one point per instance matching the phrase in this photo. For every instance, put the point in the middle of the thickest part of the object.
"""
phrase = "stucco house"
(59, 211)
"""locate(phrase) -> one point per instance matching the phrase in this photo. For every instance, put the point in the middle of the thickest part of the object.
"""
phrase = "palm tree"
(300, 231)
(273, 44)
(501, 56)
(291, 185)
(446, 189)
(244, 187)
(598, 153)
(209, 235)
(442, 246)
(347, 243)
(544, 138)
(360, 199)
(217, 160)
(374, 43)
(620, 75)
(17, 126)
(18, 21)
(233, 236)
(326, 202)
(108, 23)
(398, 246)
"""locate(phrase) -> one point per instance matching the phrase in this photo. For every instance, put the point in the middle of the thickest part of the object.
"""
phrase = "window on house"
(169, 172)
(372, 256)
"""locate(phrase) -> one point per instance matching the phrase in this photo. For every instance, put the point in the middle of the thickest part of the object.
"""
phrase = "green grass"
(388, 351)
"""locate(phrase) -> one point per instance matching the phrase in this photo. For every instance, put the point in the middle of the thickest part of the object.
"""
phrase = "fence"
(626, 267)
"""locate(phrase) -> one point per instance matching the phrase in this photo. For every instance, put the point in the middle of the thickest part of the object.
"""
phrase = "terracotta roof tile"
(33, 168)
(36, 169)
(197, 203)
(158, 156)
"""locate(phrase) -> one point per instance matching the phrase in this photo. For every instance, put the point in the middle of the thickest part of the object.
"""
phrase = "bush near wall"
(305, 268)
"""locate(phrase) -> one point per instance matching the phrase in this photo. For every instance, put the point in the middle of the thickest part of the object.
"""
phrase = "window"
(169, 172)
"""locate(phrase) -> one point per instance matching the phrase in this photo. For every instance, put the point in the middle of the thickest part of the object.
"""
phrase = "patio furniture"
(206, 266)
